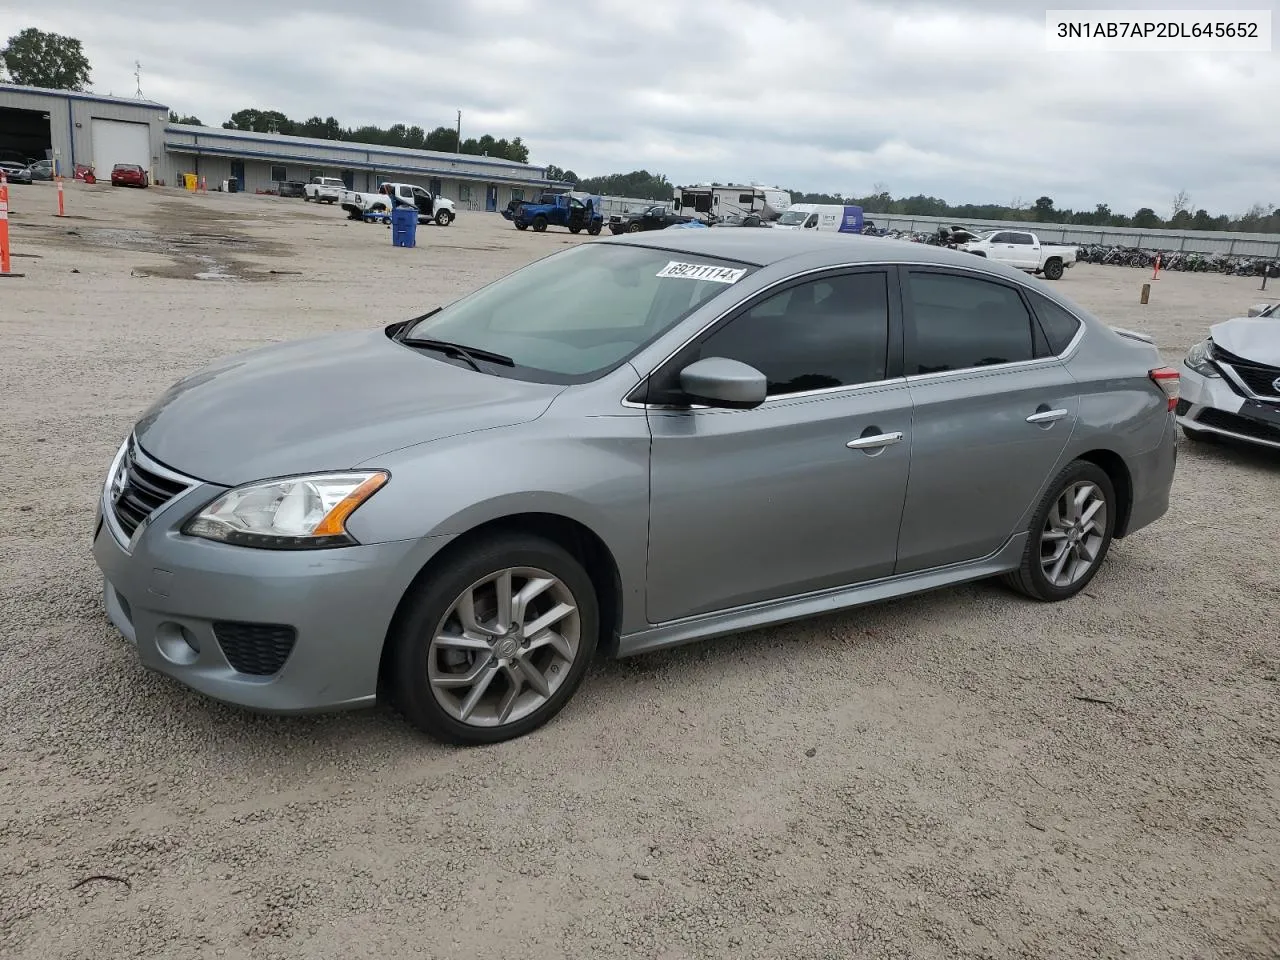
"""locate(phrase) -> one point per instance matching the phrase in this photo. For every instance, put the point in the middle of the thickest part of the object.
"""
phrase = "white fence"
(1191, 241)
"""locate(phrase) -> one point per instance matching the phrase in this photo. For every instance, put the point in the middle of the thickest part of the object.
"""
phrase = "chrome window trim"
(884, 264)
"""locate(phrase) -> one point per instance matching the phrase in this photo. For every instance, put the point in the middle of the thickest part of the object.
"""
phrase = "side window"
(1021, 239)
(1002, 238)
(1059, 326)
(279, 173)
(960, 322)
(832, 332)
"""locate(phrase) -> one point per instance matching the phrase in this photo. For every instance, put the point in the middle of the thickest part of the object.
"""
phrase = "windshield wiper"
(469, 354)
(407, 325)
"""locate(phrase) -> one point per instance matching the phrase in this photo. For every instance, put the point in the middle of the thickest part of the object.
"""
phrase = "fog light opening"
(176, 643)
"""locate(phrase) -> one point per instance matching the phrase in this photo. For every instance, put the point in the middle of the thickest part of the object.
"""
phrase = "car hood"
(1250, 338)
(328, 403)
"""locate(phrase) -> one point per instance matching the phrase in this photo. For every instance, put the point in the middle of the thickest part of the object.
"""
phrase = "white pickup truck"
(430, 206)
(323, 189)
(1023, 250)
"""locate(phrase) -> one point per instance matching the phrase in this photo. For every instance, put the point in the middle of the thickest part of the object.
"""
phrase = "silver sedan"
(637, 442)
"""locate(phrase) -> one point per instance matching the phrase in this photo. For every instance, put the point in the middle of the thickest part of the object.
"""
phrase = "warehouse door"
(117, 141)
(24, 136)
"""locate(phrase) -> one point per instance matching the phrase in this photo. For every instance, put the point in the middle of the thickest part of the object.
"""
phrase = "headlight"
(296, 513)
(1199, 357)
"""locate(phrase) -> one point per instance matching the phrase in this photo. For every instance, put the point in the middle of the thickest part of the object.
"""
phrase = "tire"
(522, 226)
(444, 218)
(540, 223)
(305, 198)
(431, 610)
(575, 229)
(1031, 578)
(594, 229)
(1053, 269)
(634, 228)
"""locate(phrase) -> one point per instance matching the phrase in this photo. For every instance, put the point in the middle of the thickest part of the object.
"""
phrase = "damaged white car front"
(1231, 380)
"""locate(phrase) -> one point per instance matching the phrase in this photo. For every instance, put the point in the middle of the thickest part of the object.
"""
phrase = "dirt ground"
(963, 774)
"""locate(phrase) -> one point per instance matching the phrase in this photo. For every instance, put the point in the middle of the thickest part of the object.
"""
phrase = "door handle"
(1047, 416)
(874, 441)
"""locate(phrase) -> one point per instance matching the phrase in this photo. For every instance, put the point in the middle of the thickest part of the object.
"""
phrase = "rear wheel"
(594, 229)
(522, 226)
(496, 644)
(1070, 534)
(539, 223)
(1053, 269)
(575, 229)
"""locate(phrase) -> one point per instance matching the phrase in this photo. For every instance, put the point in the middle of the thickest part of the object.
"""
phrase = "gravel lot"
(919, 779)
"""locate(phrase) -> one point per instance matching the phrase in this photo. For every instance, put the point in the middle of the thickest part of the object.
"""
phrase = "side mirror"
(721, 382)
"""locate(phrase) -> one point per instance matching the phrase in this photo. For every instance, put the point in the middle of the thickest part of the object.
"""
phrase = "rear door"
(993, 413)
(1025, 250)
(804, 492)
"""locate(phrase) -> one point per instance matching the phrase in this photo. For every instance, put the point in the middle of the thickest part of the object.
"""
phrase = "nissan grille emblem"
(1275, 384)
(117, 485)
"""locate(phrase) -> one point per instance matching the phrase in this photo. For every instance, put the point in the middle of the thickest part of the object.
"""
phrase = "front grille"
(1258, 377)
(142, 493)
(1182, 408)
(259, 649)
(1238, 424)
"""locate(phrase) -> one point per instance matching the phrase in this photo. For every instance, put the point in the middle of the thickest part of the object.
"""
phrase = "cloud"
(958, 100)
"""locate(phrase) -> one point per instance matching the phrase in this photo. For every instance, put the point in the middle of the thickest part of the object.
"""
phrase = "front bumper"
(271, 630)
(1210, 405)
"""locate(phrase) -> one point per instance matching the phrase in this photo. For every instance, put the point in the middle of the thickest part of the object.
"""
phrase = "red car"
(128, 175)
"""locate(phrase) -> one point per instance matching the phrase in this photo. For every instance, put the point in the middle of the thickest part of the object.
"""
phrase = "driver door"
(749, 506)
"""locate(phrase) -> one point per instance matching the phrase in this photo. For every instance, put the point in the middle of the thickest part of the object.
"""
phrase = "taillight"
(1167, 379)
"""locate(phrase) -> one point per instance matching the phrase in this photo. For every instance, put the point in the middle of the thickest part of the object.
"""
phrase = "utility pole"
(459, 149)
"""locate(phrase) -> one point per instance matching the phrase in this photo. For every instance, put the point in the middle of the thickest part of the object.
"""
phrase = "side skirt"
(773, 612)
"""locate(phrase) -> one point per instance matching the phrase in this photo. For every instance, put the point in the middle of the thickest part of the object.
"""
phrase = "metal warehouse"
(87, 129)
(80, 128)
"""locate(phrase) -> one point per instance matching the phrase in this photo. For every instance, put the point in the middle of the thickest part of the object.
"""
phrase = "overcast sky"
(960, 99)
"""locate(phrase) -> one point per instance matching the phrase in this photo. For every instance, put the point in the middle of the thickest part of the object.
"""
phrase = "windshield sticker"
(701, 271)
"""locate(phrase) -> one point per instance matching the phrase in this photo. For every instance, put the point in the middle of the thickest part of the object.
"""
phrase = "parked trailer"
(718, 201)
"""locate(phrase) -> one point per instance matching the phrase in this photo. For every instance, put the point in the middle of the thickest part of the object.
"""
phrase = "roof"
(760, 246)
(81, 95)
(287, 140)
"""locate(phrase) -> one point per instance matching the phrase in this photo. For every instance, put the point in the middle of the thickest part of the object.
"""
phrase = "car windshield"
(575, 315)
(793, 217)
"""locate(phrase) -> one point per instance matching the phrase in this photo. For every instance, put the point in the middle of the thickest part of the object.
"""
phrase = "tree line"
(443, 139)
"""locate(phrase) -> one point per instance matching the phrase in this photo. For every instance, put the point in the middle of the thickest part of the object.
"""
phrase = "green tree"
(1202, 220)
(640, 184)
(38, 59)
(190, 120)
(1043, 209)
(1146, 219)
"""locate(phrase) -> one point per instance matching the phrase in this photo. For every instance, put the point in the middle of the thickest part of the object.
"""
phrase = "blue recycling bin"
(404, 227)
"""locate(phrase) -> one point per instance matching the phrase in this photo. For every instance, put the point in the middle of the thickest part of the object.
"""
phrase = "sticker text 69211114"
(701, 271)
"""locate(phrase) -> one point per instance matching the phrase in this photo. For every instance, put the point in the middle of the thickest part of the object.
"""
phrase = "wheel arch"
(1117, 471)
(573, 535)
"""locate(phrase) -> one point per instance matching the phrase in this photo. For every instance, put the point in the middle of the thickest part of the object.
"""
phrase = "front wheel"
(540, 223)
(444, 218)
(634, 228)
(575, 229)
(495, 645)
(594, 229)
(1069, 536)
(522, 226)
(1053, 269)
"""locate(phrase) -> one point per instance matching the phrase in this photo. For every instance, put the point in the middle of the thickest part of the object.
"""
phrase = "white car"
(323, 189)
(1231, 380)
(431, 207)
(1025, 251)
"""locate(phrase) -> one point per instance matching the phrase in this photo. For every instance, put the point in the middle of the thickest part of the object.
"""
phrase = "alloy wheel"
(505, 647)
(1074, 533)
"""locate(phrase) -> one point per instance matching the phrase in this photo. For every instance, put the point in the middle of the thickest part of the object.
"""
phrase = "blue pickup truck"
(577, 212)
